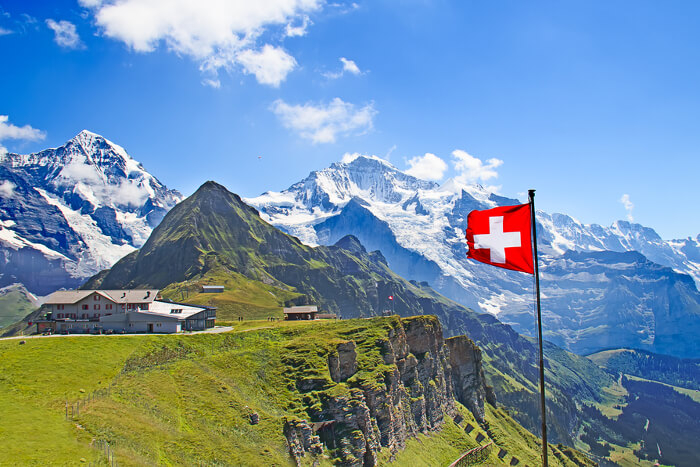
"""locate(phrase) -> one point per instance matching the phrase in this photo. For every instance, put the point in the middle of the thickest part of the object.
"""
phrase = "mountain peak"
(211, 185)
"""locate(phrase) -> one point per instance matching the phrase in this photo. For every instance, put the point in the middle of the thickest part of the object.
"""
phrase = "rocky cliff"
(412, 392)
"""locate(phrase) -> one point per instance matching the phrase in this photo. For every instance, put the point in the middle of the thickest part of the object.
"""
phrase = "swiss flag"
(501, 237)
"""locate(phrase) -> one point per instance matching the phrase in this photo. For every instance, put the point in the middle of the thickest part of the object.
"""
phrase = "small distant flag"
(391, 297)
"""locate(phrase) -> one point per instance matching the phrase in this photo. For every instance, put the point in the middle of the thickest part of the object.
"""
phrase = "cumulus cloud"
(270, 65)
(7, 189)
(127, 192)
(472, 169)
(219, 34)
(349, 66)
(65, 34)
(298, 30)
(10, 131)
(323, 123)
(627, 203)
(427, 167)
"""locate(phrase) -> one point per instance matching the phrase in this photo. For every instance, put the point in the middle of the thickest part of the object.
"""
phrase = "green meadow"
(187, 399)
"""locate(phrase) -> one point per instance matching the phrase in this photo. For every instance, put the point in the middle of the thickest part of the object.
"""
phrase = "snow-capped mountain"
(419, 227)
(69, 212)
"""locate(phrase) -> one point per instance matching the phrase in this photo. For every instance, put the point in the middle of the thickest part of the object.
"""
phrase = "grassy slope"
(185, 400)
(663, 368)
(242, 297)
(14, 306)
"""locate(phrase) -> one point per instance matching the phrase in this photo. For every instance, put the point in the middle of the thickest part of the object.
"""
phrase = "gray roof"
(67, 297)
(302, 309)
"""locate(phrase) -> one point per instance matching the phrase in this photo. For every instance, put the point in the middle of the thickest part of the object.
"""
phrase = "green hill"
(664, 368)
(189, 399)
(15, 304)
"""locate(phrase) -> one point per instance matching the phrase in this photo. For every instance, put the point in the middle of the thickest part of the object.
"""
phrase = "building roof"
(69, 297)
(162, 308)
(301, 309)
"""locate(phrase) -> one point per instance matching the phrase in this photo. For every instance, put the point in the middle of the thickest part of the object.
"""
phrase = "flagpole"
(531, 194)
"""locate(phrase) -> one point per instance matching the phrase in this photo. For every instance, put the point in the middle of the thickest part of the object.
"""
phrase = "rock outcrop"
(301, 439)
(468, 379)
(410, 393)
(343, 362)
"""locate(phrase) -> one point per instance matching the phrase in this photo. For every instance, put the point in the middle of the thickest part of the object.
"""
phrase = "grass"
(692, 393)
(14, 306)
(242, 297)
(187, 399)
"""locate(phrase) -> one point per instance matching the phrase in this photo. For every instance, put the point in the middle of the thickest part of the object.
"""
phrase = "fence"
(473, 456)
(73, 412)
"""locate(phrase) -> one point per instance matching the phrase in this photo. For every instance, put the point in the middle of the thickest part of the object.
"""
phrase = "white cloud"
(348, 66)
(427, 167)
(85, 176)
(296, 31)
(4, 32)
(270, 66)
(7, 189)
(214, 83)
(10, 131)
(472, 169)
(323, 123)
(65, 34)
(627, 203)
(219, 34)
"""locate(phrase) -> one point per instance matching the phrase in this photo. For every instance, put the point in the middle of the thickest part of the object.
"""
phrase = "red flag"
(391, 297)
(501, 237)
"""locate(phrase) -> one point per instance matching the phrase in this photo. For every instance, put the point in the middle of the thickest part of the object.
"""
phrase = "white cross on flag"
(501, 237)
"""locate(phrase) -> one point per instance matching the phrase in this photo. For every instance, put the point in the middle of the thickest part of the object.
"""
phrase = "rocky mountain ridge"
(419, 228)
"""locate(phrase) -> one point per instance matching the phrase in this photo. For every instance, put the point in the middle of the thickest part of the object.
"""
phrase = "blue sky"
(586, 101)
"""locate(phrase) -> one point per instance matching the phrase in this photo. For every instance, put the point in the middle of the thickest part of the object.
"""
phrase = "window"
(85, 307)
(84, 315)
(175, 311)
(97, 307)
(60, 307)
(60, 315)
(96, 297)
(108, 306)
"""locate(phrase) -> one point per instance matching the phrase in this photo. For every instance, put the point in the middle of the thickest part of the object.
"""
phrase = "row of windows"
(83, 316)
(87, 307)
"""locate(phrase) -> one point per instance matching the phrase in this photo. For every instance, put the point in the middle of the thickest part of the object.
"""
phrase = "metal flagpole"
(531, 194)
